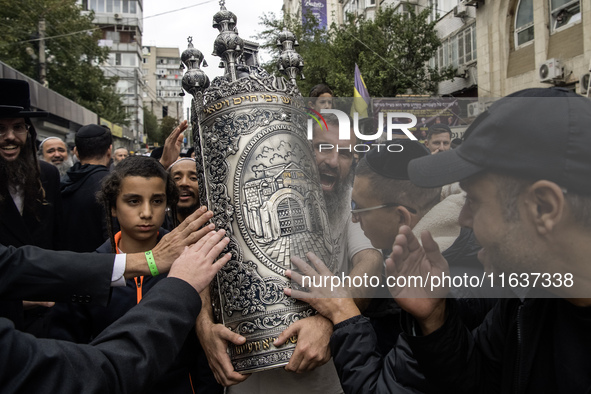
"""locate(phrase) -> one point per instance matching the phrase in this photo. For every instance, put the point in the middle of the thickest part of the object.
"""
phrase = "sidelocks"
(259, 177)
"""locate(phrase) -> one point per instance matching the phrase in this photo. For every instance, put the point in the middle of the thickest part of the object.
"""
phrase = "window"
(113, 36)
(446, 6)
(456, 50)
(129, 59)
(468, 50)
(454, 53)
(524, 23)
(405, 8)
(564, 13)
(97, 5)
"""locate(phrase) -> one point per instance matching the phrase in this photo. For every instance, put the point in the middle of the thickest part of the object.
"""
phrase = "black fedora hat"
(15, 100)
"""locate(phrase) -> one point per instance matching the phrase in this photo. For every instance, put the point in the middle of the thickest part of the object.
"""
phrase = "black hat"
(91, 130)
(157, 153)
(534, 133)
(394, 165)
(15, 101)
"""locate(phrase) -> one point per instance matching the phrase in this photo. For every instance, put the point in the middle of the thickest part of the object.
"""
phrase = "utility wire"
(107, 26)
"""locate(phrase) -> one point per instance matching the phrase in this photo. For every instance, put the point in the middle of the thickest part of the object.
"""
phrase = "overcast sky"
(172, 29)
(194, 18)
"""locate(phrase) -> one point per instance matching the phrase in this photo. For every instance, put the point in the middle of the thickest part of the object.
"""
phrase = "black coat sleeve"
(361, 368)
(52, 223)
(456, 360)
(126, 358)
(35, 274)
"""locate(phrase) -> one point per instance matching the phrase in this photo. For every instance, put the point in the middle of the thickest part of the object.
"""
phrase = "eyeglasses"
(355, 208)
(17, 129)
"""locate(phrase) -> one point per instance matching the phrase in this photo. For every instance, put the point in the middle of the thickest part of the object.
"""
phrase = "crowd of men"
(521, 207)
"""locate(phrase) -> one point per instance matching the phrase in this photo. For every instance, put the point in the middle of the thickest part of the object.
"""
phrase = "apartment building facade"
(162, 81)
(121, 22)
(532, 43)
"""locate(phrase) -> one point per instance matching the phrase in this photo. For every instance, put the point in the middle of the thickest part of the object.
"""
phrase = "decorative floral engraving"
(246, 291)
(272, 321)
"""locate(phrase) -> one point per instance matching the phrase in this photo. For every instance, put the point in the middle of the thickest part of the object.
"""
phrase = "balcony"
(120, 21)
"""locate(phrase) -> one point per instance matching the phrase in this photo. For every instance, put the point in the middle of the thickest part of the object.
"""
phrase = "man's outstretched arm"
(128, 355)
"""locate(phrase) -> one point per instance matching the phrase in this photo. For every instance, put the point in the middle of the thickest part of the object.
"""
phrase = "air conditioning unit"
(584, 83)
(117, 16)
(460, 11)
(475, 109)
(469, 2)
(550, 70)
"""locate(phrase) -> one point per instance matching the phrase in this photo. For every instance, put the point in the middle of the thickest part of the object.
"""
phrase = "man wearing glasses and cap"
(383, 200)
(525, 168)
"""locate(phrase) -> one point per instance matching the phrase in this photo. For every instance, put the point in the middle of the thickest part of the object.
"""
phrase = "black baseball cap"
(394, 165)
(535, 134)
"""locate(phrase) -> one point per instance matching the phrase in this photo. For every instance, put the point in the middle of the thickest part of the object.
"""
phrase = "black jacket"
(190, 372)
(45, 231)
(125, 358)
(462, 256)
(535, 346)
(84, 217)
(363, 370)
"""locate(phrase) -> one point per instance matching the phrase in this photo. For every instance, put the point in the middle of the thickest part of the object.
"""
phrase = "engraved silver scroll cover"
(262, 184)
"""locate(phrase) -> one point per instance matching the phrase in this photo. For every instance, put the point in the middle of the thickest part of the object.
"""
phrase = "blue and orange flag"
(360, 95)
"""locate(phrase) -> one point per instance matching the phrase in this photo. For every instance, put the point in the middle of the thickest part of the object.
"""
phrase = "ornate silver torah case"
(260, 180)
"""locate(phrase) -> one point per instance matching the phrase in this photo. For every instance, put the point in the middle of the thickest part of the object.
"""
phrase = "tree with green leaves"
(167, 124)
(313, 46)
(392, 52)
(71, 48)
(151, 128)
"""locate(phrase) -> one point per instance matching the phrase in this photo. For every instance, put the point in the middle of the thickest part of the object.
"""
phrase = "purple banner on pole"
(318, 9)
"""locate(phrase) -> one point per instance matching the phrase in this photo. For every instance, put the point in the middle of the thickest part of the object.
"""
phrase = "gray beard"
(64, 166)
(338, 202)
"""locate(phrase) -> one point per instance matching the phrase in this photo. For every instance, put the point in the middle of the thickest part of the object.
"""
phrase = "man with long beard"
(30, 202)
(310, 360)
(29, 190)
(53, 150)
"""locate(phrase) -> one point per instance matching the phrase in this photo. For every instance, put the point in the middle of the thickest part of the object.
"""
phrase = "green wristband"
(152, 263)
